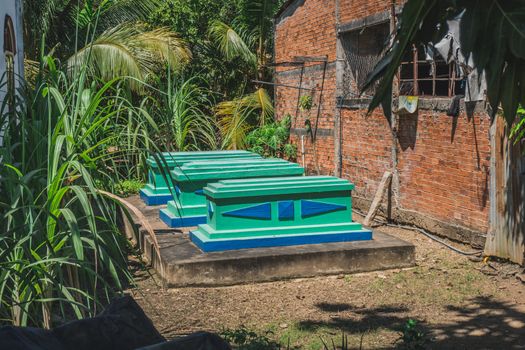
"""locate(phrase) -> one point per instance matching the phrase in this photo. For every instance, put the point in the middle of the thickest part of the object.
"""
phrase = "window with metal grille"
(422, 76)
(363, 48)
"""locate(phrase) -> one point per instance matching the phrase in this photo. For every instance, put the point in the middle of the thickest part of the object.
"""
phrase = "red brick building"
(441, 164)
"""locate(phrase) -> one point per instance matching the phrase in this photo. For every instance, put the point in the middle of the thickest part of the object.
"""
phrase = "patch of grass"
(412, 337)
(243, 338)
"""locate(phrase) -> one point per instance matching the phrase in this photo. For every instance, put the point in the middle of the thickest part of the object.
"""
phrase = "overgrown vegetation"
(183, 111)
(107, 86)
(126, 188)
(64, 143)
(272, 140)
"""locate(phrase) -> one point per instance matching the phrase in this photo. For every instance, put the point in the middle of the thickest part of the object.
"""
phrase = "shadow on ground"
(483, 324)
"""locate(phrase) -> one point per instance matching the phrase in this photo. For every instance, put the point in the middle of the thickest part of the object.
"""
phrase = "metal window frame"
(415, 62)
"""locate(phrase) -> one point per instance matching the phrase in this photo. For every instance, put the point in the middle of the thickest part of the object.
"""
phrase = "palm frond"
(165, 44)
(231, 43)
(232, 122)
(129, 50)
(119, 11)
(263, 101)
(234, 117)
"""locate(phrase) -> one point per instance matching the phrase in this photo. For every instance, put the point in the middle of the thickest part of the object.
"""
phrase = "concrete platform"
(181, 263)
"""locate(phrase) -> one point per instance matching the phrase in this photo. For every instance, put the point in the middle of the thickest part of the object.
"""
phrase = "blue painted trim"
(260, 212)
(286, 210)
(177, 190)
(155, 199)
(211, 211)
(314, 208)
(200, 192)
(279, 241)
(175, 222)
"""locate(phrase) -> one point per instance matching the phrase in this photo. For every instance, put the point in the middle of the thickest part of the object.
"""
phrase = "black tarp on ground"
(196, 341)
(122, 326)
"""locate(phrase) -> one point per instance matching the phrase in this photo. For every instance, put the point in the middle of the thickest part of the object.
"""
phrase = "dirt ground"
(457, 301)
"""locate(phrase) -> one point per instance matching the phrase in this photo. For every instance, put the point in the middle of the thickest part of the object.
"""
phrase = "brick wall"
(308, 30)
(356, 9)
(442, 163)
(366, 149)
(443, 166)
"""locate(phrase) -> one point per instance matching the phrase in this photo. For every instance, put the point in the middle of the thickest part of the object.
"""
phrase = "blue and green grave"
(159, 189)
(277, 211)
(188, 207)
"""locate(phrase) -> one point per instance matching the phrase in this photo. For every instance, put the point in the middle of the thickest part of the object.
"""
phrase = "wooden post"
(380, 193)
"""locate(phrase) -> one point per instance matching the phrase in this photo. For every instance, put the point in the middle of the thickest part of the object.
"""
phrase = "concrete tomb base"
(181, 263)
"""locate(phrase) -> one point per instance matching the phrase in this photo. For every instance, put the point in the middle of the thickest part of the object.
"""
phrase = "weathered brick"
(441, 174)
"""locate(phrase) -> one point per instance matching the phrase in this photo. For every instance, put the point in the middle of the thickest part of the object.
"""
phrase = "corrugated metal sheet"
(506, 237)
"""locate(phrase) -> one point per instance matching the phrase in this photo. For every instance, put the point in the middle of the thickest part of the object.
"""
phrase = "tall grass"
(67, 139)
(183, 112)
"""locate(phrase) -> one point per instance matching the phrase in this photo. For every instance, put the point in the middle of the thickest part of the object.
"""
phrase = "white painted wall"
(13, 8)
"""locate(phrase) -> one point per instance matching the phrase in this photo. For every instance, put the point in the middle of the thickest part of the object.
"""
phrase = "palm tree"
(130, 49)
(249, 39)
(107, 34)
(250, 35)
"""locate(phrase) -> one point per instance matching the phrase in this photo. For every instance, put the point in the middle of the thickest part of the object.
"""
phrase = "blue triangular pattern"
(312, 208)
(200, 192)
(177, 190)
(210, 210)
(286, 210)
(260, 211)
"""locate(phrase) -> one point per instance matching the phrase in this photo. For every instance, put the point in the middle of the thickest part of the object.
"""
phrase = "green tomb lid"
(181, 158)
(232, 169)
(276, 186)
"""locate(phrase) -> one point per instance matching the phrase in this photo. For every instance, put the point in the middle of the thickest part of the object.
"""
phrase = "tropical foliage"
(246, 39)
(272, 140)
(60, 247)
(130, 50)
(108, 86)
(107, 35)
(237, 117)
(492, 33)
(184, 114)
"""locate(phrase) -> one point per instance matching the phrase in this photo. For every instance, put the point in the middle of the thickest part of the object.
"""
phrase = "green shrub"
(272, 140)
(126, 188)
(412, 338)
(245, 339)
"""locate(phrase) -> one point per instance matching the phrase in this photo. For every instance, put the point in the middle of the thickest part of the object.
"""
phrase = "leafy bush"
(271, 140)
(126, 188)
(412, 338)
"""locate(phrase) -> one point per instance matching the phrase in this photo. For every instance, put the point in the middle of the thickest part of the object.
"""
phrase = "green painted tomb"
(157, 191)
(268, 212)
(188, 208)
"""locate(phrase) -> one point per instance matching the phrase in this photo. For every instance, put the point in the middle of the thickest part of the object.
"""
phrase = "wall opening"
(427, 74)
(9, 53)
(363, 48)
